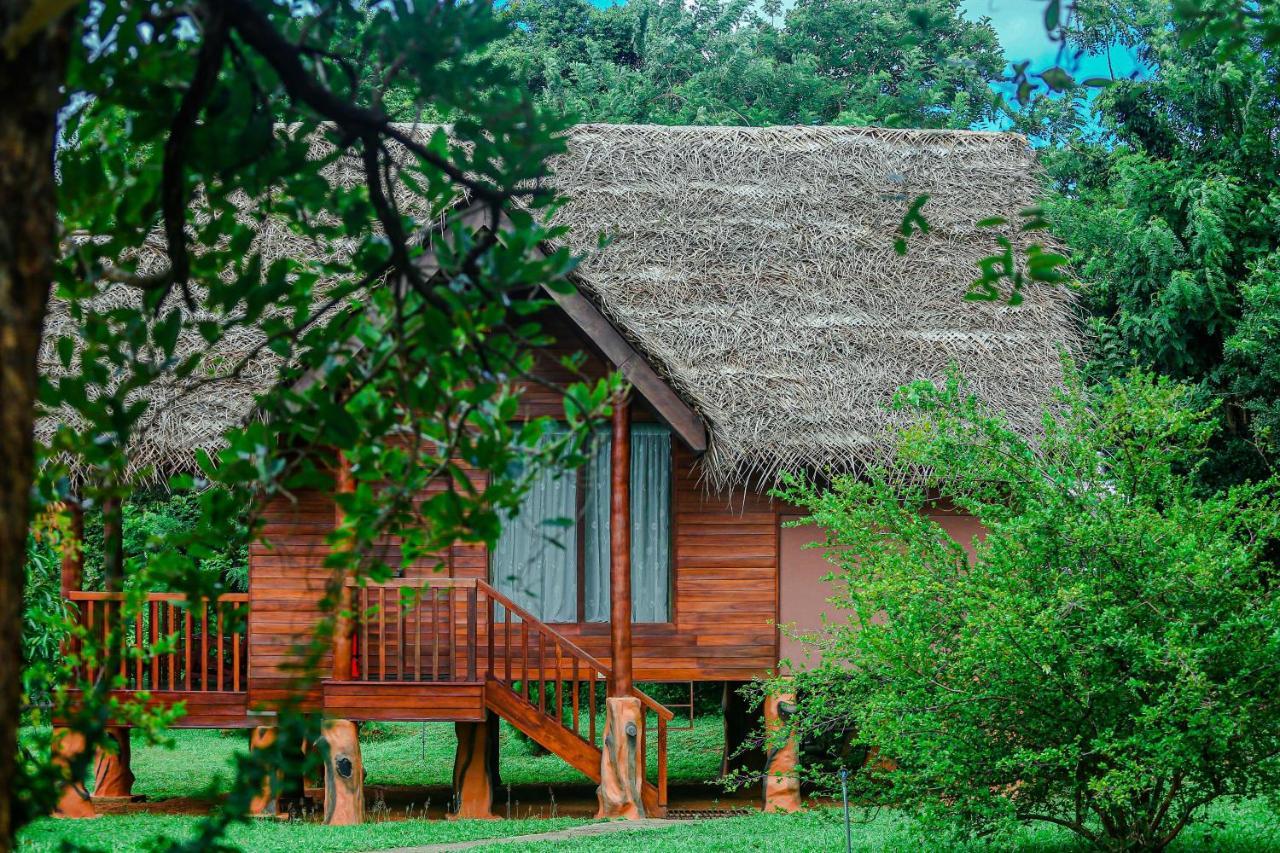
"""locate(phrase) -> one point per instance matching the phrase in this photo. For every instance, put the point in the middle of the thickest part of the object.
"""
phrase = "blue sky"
(1020, 26)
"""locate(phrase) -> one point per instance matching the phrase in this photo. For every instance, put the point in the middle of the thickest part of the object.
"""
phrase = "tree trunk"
(32, 68)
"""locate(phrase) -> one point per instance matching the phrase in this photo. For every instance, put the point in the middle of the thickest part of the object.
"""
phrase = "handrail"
(417, 583)
(88, 595)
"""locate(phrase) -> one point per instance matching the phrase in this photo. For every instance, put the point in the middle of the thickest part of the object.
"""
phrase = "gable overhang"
(595, 327)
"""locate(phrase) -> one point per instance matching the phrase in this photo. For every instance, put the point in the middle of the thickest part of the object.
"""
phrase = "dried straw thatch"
(756, 268)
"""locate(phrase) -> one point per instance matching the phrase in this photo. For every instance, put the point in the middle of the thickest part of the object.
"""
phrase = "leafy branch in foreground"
(1103, 659)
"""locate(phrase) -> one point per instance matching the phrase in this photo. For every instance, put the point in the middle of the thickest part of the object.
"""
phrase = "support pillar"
(621, 773)
(742, 731)
(266, 803)
(343, 774)
(344, 625)
(781, 782)
(74, 802)
(71, 549)
(474, 782)
(112, 771)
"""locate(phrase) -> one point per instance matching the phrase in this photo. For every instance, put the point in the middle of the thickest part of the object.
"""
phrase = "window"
(558, 543)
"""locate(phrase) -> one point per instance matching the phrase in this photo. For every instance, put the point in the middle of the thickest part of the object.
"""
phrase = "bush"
(1108, 661)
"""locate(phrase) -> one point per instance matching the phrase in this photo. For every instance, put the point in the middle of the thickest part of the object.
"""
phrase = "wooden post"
(112, 544)
(620, 548)
(474, 781)
(621, 769)
(74, 801)
(72, 549)
(266, 803)
(343, 774)
(344, 625)
(781, 782)
(112, 774)
(621, 773)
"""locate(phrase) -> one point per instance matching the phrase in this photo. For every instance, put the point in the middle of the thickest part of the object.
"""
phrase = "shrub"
(1109, 659)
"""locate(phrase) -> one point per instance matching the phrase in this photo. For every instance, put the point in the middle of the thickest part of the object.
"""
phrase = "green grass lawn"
(399, 756)
(195, 770)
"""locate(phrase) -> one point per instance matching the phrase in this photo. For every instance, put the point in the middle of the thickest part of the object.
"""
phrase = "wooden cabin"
(752, 296)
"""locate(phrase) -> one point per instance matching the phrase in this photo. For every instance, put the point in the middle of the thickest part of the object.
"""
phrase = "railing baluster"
(575, 694)
(506, 645)
(400, 637)
(187, 643)
(524, 658)
(542, 675)
(450, 621)
(222, 648)
(204, 644)
(366, 654)
(471, 633)
(490, 633)
(173, 666)
(435, 634)
(559, 690)
(417, 641)
(153, 660)
(382, 634)
(137, 640)
(235, 661)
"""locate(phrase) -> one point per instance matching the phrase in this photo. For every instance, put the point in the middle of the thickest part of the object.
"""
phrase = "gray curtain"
(650, 526)
(536, 560)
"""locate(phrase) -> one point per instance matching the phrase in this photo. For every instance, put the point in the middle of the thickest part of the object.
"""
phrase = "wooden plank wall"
(725, 572)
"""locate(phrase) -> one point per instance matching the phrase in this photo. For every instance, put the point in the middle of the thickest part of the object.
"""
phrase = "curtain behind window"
(536, 560)
(650, 526)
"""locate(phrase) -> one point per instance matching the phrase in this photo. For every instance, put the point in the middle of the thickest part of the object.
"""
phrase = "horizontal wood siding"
(725, 572)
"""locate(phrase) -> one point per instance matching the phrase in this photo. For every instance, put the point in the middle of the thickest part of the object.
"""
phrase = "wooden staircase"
(453, 649)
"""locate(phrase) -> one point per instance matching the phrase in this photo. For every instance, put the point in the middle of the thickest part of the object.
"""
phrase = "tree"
(192, 135)
(1106, 660)
(915, 65)
(1171, 213)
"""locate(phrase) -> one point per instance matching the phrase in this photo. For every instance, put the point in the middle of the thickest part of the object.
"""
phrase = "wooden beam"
(683, 420)
(620, 548)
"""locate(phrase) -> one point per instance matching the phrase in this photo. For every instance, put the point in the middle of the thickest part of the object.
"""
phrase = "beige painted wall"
(803, 594)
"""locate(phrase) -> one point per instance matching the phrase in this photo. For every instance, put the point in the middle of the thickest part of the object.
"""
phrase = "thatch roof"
(755, 268)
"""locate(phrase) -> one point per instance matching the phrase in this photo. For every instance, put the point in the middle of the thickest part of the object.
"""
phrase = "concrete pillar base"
(621, 774)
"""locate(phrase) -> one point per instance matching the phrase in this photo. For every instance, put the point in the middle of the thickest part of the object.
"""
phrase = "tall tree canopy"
(917, 64)
(1171, 204)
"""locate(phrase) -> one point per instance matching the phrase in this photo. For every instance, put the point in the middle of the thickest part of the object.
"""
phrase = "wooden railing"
(464, 630)
(170, 643)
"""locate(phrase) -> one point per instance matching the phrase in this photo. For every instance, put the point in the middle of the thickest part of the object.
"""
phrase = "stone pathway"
(585, 831)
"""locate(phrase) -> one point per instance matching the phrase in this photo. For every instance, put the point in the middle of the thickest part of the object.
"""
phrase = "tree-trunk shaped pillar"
(343, 774)
(112, 771)
(74, 802)
(621, 774)
(781, 781)
(474, 782)
(266, 803)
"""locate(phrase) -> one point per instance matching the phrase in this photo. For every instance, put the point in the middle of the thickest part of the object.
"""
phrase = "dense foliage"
(734, 62)
(411, 378)
(1107, 659)
(1170, 199)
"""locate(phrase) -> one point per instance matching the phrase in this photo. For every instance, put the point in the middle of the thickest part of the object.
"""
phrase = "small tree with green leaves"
(1108, 658)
